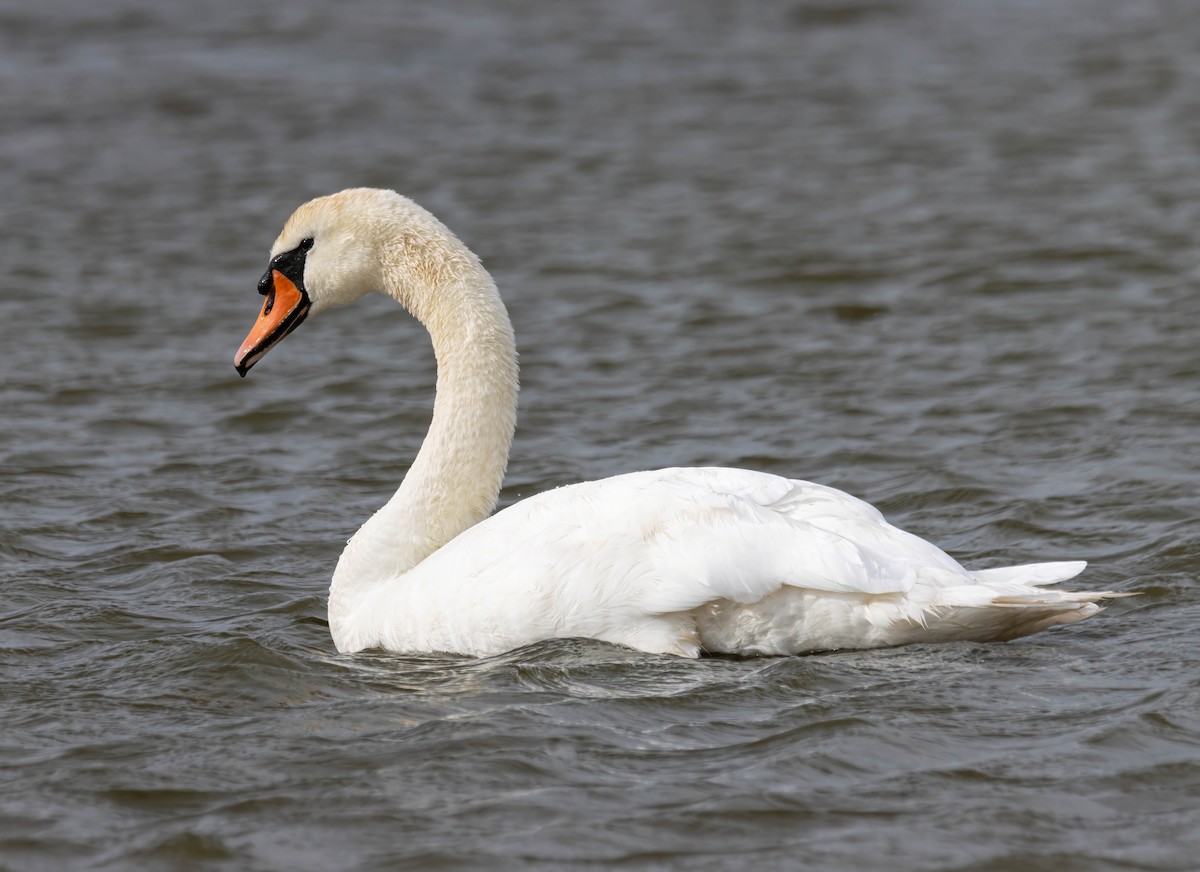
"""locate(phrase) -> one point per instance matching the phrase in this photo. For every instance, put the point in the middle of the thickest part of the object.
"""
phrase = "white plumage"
(678, 561)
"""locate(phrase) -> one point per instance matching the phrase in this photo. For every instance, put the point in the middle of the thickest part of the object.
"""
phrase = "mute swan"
(676, 561)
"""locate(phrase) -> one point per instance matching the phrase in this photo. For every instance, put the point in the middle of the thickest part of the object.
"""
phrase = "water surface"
(942, 256)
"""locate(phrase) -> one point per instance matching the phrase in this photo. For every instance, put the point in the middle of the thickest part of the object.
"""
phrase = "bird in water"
(678, 561)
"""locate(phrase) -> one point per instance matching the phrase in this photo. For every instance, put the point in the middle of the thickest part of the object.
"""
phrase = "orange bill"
(284, 309)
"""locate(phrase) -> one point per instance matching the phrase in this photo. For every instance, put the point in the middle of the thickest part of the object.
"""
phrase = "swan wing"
(736, 535)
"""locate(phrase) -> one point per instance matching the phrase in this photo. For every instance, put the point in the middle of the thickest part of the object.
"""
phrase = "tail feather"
(1057, 598)
(1009, 602)
(1033, 574)
(1000, 621)
(1034, 619)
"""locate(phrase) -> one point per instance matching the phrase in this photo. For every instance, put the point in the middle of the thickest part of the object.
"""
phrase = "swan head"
(332, 251)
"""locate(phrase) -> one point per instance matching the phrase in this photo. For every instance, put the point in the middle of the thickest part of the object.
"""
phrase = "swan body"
(677, 561)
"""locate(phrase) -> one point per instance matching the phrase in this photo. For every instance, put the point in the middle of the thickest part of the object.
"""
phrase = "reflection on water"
(941, 256)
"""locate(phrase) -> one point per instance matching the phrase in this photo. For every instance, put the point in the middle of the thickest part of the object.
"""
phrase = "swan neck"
(454, 481)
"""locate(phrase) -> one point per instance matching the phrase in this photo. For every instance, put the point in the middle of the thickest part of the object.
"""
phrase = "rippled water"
(943, 256)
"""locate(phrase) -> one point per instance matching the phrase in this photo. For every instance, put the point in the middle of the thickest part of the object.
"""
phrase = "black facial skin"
(291, 264)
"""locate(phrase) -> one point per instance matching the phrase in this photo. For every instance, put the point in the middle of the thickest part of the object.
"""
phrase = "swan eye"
(306, 244)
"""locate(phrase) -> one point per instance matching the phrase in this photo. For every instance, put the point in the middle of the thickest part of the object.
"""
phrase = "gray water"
(941, 255)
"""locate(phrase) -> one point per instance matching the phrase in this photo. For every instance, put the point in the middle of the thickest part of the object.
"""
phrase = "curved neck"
(455, 479)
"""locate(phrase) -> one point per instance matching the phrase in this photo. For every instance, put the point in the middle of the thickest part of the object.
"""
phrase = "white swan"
(678, 561)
